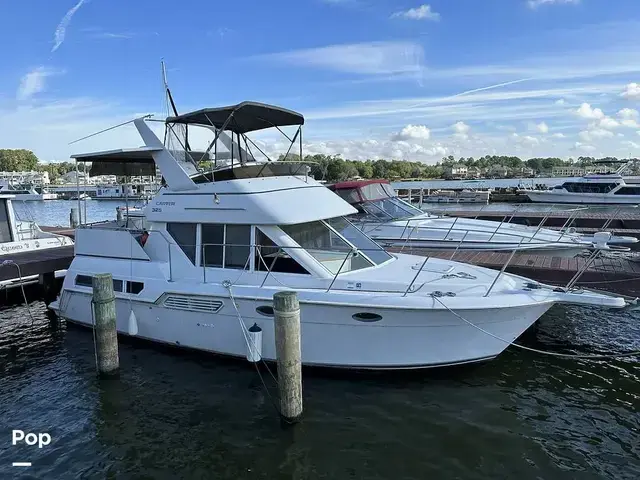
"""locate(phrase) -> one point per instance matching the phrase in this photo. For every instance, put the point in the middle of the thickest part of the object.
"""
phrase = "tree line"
(333, 168)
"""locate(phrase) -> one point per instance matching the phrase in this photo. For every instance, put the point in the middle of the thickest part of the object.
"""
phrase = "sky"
(394, 79)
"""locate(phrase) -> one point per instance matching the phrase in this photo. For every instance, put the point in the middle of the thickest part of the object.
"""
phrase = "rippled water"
(172, 414)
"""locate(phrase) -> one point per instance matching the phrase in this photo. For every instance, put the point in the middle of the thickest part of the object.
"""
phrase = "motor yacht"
(27, 194)
(392, 222)
(19, 238)
(218, 244)
(592, 188)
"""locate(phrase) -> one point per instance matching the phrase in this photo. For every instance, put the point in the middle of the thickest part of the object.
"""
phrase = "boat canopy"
(241, 118)
(121, 162)
(357, 191)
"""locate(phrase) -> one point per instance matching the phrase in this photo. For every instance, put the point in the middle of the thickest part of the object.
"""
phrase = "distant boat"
(82, 196)
(26, 195)
(592, 188)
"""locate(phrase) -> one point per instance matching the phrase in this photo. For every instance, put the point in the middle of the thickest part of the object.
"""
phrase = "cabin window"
(226, 246)
(87, 281)
(5, 230)
(365, 244)
(270, 258)
(212, 245)
(327, 247)
(134, 287)
(184, 235)
(237, 245)
(628, 191)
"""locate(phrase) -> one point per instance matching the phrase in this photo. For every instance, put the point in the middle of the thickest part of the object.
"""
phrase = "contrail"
(490, 87)
(64, 23)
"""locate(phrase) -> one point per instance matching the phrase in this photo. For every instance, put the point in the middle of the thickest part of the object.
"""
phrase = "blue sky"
(374, 78)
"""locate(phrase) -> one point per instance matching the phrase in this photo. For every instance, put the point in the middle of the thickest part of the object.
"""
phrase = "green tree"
(17, 160)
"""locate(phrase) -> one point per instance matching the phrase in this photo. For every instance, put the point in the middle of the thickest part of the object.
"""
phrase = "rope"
(95, 340)
(249, 341)
(535, 350)
(24, 295)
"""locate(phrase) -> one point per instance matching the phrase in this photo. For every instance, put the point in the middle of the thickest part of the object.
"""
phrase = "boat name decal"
(170, 204)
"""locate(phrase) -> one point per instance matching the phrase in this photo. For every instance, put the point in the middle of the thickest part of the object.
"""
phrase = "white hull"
(446, 233)
(581, 198)
(34, 197)
(404, 339)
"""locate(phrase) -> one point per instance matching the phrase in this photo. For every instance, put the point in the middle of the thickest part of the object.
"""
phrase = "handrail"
(416, 276)
(504, 267)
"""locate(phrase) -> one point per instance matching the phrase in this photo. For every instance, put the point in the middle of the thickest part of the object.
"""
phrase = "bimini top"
(243, 117)
(358, 191)
(121, 162)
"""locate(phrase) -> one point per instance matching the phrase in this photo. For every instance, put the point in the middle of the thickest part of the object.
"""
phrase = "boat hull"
(402, 339)
(582, 198)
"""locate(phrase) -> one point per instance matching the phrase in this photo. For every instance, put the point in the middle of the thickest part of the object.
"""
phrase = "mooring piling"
(105, 330)
(74, 218)
(288, 354)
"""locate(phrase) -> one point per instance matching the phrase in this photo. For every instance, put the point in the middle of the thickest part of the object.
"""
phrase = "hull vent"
(192, 304)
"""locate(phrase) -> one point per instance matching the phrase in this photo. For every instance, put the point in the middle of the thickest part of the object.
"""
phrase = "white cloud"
(542, 127)
(33, 82)
(373, 58)
(595, 134)
(558, 135)
(460, 127)
(61, 30)
(631, 144)
(632, 91)
(423, 12)
(587, 112)
(628, 113)
(630, 123)
(412, 132)
(525, 139)
(538, 3)
(609, 123)
(584, 147)
(561, 102)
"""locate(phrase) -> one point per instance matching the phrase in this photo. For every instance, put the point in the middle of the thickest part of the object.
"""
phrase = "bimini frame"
(238, 120)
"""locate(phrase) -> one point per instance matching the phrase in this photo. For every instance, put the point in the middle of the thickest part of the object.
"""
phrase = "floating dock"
(38, 262)
(617, 275)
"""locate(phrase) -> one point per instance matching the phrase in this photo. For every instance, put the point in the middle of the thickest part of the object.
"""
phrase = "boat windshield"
(390, 209)
(337, 245)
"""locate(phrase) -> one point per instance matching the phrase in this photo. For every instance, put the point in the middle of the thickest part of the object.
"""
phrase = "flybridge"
(180, 164)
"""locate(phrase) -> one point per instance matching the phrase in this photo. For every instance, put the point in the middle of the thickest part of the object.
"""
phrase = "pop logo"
(31, 439)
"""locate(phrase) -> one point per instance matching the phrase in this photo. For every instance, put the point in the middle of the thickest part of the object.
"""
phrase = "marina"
(354, 256)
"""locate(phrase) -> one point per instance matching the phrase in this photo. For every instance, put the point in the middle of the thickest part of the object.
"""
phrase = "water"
(172, 414)
(176, 415)
(54, 213)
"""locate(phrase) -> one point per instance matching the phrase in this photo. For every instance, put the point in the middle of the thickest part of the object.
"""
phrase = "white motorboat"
(27, 194)
(594, 189)
(392, 222)
(221, 243)
(22, 237)
(453, 196)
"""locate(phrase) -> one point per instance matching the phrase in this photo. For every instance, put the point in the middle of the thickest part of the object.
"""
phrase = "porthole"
(366, 317)
(266, 310)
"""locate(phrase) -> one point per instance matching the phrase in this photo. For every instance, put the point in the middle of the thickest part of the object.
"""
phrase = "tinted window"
(270, 258)
(5, 231)
(237, 246)
(184, 235)
(628, 191)
(87, 281)
(134, 287)
(212, 241)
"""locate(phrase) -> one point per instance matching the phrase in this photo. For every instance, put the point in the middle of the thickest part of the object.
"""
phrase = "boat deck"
(581, 219)
(618, 275)
(37, 262)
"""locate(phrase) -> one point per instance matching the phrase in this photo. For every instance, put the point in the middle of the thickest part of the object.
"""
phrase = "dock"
(616, 275)
(37, 262)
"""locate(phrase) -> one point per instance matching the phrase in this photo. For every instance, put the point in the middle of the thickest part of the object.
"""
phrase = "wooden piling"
(288, 354)
(106, 335)
(47, 282)
(74, 219)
